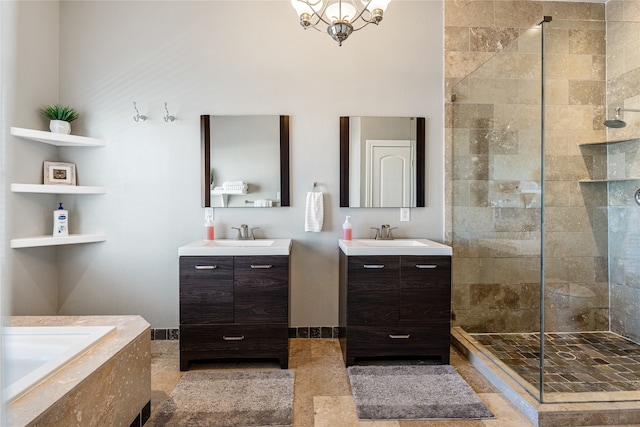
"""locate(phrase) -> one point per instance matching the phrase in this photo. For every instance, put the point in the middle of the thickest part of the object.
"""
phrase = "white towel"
(314, 213)
(234, 185)
(263, 203)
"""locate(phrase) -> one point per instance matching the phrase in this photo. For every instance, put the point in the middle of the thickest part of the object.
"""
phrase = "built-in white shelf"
(58, 139)
(57, 189)
(73, 239)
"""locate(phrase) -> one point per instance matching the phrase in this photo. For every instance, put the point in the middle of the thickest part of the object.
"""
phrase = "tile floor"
(322, 394)
(577, 362)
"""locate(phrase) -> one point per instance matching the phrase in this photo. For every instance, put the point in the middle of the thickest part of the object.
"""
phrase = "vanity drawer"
(235, 340)
(198, 269)
(399, 341)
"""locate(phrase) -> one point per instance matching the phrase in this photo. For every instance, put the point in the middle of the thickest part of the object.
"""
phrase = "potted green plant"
(61, 117)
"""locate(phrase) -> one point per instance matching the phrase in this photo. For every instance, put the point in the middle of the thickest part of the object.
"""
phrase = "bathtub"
(34, 353)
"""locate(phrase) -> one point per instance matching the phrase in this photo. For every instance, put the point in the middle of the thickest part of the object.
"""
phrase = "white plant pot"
(60, 126)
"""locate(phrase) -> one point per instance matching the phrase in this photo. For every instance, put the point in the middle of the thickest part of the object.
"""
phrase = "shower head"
(617, 123)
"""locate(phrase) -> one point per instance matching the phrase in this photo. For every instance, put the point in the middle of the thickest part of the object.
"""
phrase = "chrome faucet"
(243, 232)
(384, 233)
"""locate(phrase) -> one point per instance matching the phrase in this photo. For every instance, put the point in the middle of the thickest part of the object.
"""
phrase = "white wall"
(29, 81)
(227, 57)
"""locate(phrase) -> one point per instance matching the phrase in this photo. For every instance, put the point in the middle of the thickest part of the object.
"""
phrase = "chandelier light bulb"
(340, 12)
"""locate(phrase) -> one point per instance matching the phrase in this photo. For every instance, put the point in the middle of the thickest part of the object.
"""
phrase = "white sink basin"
(230, 247)
(393, 247)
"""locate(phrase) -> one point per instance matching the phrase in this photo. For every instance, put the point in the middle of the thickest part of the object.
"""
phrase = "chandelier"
(339, 16)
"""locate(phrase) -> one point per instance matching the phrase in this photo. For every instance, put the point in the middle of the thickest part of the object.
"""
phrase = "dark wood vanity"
(234, 307)
(395, 306)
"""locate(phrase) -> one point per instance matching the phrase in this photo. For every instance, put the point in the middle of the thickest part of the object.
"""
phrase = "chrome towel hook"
(168, 118)
(138, 117)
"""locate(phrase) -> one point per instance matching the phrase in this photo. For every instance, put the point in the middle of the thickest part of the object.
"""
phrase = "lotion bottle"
(347, 229)
(60, 221)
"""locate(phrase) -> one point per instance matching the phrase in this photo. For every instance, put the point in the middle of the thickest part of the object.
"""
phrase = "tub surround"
(108, 385)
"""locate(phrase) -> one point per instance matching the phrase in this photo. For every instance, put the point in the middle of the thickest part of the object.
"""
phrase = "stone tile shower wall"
(623, 89)
(494, 209)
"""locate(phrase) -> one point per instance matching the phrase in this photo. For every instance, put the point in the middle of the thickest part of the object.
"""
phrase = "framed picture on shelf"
(57, 173)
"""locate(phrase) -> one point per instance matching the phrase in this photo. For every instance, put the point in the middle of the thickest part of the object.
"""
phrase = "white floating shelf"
(58, 139)
(57, 189)
(74, 239)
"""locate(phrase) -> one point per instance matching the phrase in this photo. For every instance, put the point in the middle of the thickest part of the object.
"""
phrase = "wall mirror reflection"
(382, 162)
(245, 161)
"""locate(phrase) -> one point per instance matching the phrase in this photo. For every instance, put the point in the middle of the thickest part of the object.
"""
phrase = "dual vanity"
(395, 299)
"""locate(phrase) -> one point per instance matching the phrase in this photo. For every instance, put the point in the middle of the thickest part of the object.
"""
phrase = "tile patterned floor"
(574, 362)
(322, 394)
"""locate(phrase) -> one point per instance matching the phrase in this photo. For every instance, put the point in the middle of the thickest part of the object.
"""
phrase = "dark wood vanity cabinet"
(234, 307)
(395, 306)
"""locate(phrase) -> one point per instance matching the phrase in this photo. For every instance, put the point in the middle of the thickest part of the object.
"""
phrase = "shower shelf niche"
(66, 141)
(611, 159)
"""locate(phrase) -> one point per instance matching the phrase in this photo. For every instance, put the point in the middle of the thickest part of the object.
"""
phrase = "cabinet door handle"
(206, 267)
(373, 265)
(239, 338)
(426, 266)
(398, 337)
(261, 266)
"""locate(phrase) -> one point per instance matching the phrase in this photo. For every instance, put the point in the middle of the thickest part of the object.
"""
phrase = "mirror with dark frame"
(382, 162)
(245, 161)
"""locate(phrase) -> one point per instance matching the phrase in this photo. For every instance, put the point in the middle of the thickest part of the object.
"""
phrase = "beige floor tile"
(322, 393)
(442, 423)
(321, 379)
(339, 411)
(299, 347)
(302, 410)
(506, 414)
(325, 348)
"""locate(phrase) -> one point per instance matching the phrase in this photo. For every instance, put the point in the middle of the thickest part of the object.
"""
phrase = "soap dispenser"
(209, 231)
(60, 221)
(208, 224)
(347, 229)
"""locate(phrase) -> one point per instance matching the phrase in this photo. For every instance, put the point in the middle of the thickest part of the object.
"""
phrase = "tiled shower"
(549, 245)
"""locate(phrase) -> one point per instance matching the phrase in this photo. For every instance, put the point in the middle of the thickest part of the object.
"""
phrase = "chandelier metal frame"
(338, 27)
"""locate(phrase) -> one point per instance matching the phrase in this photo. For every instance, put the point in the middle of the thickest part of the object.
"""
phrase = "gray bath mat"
(413, 393)
(229, 399)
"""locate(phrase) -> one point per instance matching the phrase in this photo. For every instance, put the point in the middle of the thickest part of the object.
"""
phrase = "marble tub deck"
(109, 385)
(322, 394)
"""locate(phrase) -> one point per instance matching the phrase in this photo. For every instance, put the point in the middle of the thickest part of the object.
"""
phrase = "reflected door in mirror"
(382, 162)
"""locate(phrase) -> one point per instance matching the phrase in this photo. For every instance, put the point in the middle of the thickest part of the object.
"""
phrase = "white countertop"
(231, 247)
(393, 247)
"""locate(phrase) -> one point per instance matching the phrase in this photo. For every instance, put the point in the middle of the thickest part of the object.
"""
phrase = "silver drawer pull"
(206, 267)
(426, 266)
(226, 338)
(261, 266)
(399, 337)
(373, 266)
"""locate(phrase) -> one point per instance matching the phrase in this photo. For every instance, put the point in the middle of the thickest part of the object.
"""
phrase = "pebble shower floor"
(575, 362)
